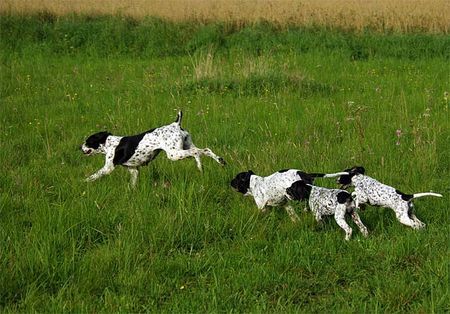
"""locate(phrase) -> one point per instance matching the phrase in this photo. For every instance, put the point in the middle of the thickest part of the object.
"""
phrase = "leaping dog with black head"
(372, 192)
(135, 151)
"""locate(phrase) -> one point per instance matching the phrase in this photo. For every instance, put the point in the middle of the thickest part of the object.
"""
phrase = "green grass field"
(183, 241)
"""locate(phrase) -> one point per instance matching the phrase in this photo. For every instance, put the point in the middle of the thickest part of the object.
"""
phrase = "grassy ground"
(183, 241)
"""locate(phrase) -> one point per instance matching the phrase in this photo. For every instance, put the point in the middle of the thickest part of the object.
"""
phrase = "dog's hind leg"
(193, 152)
(414, 218)
(185, 153)
(418, 223)
(209, 153)
(402, 217)
(188, 144)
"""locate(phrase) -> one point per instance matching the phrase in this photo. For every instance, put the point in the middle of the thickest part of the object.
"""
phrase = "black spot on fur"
(405, 197)
(241, 182)
(127, 147)
(299, 190)
(95, 140)
(283, 170)
(185, 143)
(344, 197)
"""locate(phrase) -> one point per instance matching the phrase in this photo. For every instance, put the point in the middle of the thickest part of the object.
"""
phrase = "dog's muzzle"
(86, 150)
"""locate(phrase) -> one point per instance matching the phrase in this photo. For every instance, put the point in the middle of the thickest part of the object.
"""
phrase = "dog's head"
(346, 180)
(95, 143)
(299, 190)
(346, 198)
(241, 182)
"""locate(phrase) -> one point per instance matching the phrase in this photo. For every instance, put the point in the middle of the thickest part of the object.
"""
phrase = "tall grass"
(184, 241)
(400, 15)
(152, 37)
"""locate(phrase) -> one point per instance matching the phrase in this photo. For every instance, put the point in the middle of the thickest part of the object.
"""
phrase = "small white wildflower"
(399, 134)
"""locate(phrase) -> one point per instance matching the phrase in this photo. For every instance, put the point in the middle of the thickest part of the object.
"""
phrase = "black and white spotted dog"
(271, 190)
(138, 150)
(326, 202)
(372, 192)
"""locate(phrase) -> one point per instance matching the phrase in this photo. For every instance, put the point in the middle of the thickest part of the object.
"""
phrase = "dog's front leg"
(107, 169)
(355, 197)
(359, 223)
(134, 176)
(291, 213)
(339, 216)
(260, 202)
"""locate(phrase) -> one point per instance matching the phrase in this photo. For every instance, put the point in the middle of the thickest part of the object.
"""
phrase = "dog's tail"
(408, 197)
(179, 117)
(328, 175)
(417, 195)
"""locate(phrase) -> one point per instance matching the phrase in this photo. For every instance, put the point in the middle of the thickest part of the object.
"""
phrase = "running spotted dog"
(271, 190)
(372, 192)
(138, 150)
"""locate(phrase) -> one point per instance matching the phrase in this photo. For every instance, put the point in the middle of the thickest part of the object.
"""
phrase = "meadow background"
(266, 89)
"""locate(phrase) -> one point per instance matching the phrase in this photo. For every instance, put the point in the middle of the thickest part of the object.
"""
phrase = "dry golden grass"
(398, 15)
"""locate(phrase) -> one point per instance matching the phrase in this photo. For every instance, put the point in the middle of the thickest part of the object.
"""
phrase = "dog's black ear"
(298, 190)
(95, 140)
(308, 178)
(345, 179)
(242, 181)
(344, 197)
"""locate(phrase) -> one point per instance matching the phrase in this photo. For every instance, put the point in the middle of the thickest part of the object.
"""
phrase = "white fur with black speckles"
(372, 192)
(324, 202)
(271, 190)
(172, 139)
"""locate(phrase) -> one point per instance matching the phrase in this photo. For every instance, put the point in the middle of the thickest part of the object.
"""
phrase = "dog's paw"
(89, 179)
(222, 161)
(421, 225)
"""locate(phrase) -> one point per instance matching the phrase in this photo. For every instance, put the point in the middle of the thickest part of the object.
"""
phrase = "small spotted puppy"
(271, 190)
(325, 202)
(372, 192)
(138, 150)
